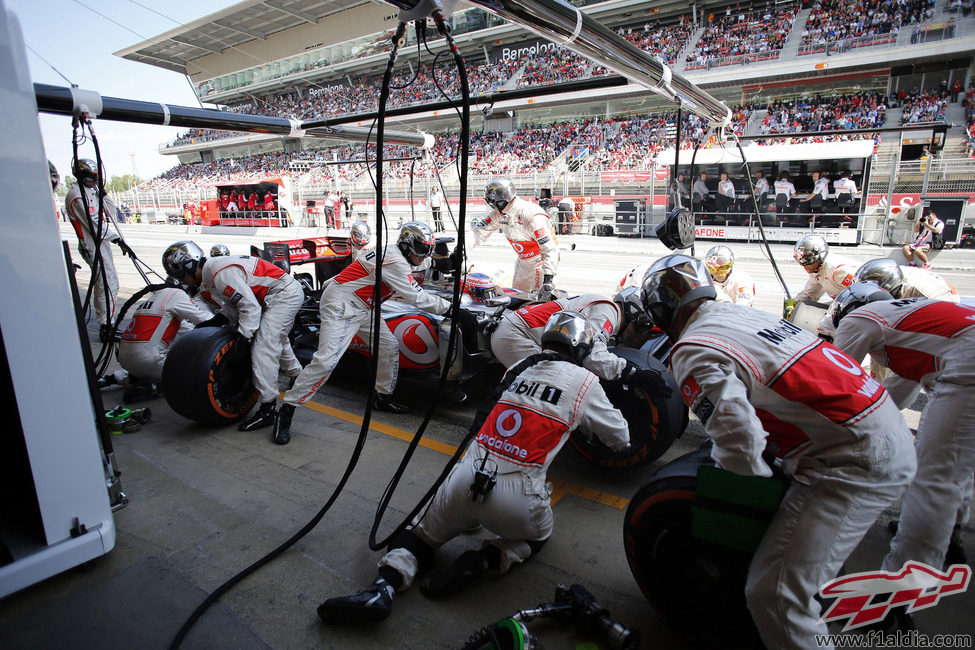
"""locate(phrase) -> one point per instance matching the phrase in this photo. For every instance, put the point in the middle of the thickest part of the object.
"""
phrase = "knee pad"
(423, 552)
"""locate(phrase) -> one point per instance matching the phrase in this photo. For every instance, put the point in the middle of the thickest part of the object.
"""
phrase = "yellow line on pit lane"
(559, 487)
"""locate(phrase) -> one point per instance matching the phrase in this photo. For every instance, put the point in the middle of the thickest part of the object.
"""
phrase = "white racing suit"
(758, 384)
(924, 283)
(529, 231)
(834, 274)
(86, 228)
(739, 287)
(154, 326)
(519, 333)
(523, 433)
(930, 342)
(346, 308)
(263, 300)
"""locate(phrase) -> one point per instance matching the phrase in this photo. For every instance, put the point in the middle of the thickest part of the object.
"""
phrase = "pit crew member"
(89, 228)
(734, 283)
(767, 387)
(500, 482)
(347, 304)
(928, 342)
(529, 231)
(260, 298)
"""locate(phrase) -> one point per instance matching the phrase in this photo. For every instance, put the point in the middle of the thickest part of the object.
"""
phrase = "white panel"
(37, 318)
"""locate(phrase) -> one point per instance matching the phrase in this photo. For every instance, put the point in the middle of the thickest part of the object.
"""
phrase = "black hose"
(350, 467)
(455, 308)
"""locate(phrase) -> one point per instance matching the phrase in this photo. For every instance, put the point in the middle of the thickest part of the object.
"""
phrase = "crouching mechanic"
(529, 230)
(906, 281)
(928, 342)
(346, 306)
(733, 282)
(156, 323)
(500, 482)
(519, 334)
(261, 298)
(766, 385)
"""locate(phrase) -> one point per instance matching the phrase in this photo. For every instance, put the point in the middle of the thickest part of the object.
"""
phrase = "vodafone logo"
(417, 342)
(508, 423)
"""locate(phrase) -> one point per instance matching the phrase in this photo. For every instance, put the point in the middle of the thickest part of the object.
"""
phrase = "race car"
(207, 374)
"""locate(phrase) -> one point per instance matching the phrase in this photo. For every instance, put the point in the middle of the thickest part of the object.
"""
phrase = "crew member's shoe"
(263, 418)
(386, 403)
(371, 605)
(139, 391)
(448, 580)
(282, 424)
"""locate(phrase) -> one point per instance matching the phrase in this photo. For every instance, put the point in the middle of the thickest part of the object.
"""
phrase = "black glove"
(653, 380)
(217, 321)
(125, 248)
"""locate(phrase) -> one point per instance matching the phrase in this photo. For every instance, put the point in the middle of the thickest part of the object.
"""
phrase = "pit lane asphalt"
(207, 502)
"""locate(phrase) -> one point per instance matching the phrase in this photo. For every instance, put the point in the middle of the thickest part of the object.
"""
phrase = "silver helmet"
(569, 333)
(416, 238)
(811, 249)
(219, 250)
(630, 306)
(672, 282)
(499, 193)
(719, 261)
(883, 272)
(359, 234)
(181, 258)
(854, 297)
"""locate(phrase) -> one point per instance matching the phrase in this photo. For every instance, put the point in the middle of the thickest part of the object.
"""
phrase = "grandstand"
(784, 67)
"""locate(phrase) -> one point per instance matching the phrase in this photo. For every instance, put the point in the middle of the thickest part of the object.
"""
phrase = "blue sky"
(79, 43)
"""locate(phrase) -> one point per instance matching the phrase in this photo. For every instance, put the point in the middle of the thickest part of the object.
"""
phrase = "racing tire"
(207, 376)
(655, 421)
(698, 587)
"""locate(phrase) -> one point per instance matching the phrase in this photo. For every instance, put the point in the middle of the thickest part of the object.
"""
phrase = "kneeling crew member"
(500, 482)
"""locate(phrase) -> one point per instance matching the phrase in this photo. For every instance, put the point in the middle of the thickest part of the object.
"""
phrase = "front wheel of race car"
(207, 376)
(655, 421)
(688, 581)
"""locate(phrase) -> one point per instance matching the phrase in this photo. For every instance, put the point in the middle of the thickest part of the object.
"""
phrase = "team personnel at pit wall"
(346, 308)
(529, 231)
(929, 342)
(88, 225)
(260, 298)
(766, 386)
(500, 483)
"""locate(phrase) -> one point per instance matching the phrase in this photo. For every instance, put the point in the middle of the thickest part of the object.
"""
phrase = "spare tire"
(683, 577)
(655, 421)
(207, 376)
